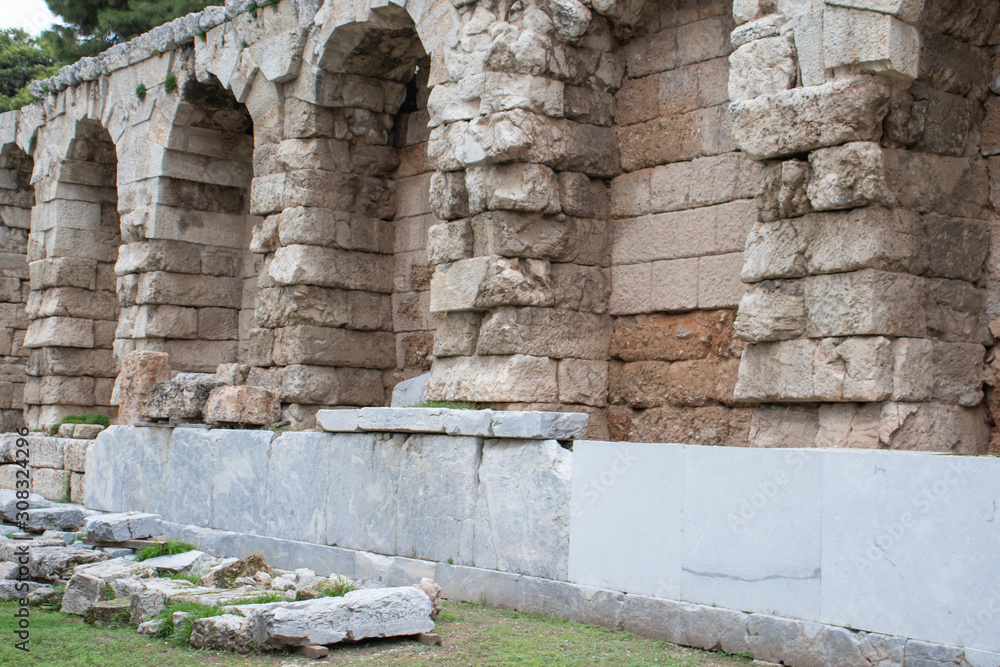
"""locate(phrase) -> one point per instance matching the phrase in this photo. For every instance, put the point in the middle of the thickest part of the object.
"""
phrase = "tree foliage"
(22, 59)
(114, 21)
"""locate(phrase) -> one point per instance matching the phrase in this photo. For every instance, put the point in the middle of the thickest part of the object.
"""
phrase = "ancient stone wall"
(761, 223)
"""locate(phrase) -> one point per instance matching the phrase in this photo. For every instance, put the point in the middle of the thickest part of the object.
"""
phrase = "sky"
(30, 15)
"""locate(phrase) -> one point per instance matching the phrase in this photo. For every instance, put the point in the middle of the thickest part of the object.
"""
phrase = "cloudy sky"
(30, 15)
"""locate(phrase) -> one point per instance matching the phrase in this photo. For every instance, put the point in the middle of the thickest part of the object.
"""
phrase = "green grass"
(180, 576)
(340, 587)
(170, 83)
(181, 635)
(452, 405)
(168, 548)
(87, 418)
(472, 635)
(262, 598)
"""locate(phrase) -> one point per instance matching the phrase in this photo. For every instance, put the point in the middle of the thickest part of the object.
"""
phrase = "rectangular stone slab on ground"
(378, 612)
(121, 527)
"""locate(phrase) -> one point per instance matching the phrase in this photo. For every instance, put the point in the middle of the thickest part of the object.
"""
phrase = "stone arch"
(186, 225)
(72, 250)
(345, 192)
(16, 200)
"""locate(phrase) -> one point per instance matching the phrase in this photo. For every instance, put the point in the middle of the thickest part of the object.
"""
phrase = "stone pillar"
(522, 141)
(72, 249)
(867, 313)
(16, 199)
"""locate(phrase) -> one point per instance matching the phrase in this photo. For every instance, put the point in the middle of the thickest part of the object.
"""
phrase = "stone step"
(526, 425)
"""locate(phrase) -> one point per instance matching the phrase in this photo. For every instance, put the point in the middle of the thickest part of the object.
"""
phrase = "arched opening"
(343, 309)
(72, 306)
(16, 199)
(185, 269)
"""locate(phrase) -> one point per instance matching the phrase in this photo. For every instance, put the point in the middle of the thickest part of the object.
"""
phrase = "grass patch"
(263, 598)
(180, 576)
(168, 548)
(170, 83)
(181, 635)
(451, 405)
(339, 587)
(89, 417)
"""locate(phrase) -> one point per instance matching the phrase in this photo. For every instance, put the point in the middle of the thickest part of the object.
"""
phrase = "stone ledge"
(522, 425)
(769, 638)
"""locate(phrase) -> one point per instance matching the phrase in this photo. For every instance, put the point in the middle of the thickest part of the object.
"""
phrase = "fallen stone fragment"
(9, 503)
(150, 627)
(429, 639)
(52, 563)
(225, 576)
(87, 431)
(9, 548)
(226, 632)
(82, 592)
(314, 651)
(121, 527)
(11, 589)
(184, 397)
(54, 518)
(243, 405)
(386, 612)
(189, 561)
(433, 591)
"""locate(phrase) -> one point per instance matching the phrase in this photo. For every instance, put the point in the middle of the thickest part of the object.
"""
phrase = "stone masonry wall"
(546, 205)
(682, 212)
(868, 297)
(16, 200)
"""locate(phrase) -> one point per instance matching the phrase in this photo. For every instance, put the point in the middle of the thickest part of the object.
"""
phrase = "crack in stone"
(719, 575)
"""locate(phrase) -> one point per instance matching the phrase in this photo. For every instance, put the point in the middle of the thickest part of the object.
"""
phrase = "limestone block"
(358, 615)
(502, 379)
(82, 591)
(449, 241)
(513, 187)
(242, 405)
(760, 28)
(865, 302)
(321, 306)
(319, 385)
(938, 184)
(50, 483)
(803, 119)
(457, 335)
(71, 361)
(71, 302)
(878, 42)
(325, 227)
(121, 527)
(326, 267)
(848, 176)
(933, 427)
(700, 231)
(545, 332)
(75, 452)
(719, 284)
(533, 530)
(178, 289)
(582, 381)
(783, 190)
(60, 332)
(140, 371)
(449, 198)
(770, 312)
(65, 519)
(532, 235)
(184, 397)
(794, 370)
(410, 392)
(47, 452)
(762, 67)
(164, 321)
(146, 256)
(320, 346)
(932, 121)
(227, 632)
(484, 282)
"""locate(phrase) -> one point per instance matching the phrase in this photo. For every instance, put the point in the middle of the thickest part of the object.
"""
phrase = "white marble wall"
(893, 542)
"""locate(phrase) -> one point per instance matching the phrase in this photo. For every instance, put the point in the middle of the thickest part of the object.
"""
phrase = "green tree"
(22, 59)
(93, 25)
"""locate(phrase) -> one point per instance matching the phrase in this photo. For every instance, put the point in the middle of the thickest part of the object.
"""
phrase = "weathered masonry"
(754, 223)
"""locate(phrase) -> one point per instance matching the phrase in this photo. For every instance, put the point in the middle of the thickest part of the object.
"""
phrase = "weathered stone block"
(848, 176)
(242, 405)
(323, 385)
(184, 397)
(121, 527)
(761, 67)
(582, 381)
(322, 306)
(545, 332)
(456, 336)
(502, 379)
(803, 119)
(320, 346)
(449, 242)
(483, 282)
(326, 267)
(513, 187)
(877, 42)
(563, 239)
